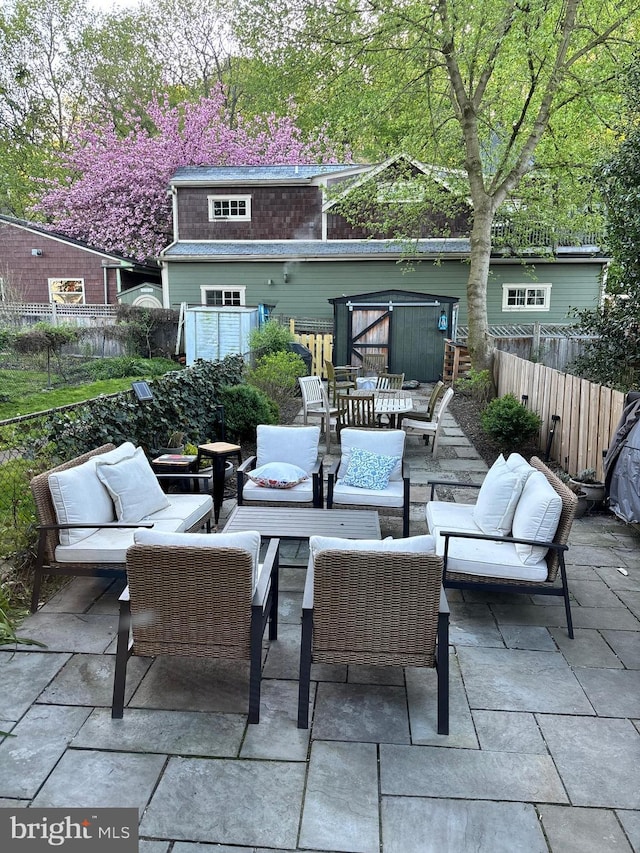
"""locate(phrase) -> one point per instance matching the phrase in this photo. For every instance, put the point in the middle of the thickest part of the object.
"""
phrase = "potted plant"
(587, 481)
(173, 443)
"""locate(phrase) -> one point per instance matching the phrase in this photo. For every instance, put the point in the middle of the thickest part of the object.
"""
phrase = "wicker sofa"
(513, 539)
(88, 509)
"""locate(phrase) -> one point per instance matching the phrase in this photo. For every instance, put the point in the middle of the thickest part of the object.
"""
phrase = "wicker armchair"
(197, 600)
(382, 609)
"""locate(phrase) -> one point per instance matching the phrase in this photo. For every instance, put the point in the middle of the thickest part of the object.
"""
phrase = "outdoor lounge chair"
(383, 606)
(513, 539)
(197, 595)
(286, 470)
(383, 486)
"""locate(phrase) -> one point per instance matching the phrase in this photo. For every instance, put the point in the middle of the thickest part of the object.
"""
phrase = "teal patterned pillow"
(369, 470)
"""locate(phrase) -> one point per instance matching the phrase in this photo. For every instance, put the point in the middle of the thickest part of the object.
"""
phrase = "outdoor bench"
(88, 509)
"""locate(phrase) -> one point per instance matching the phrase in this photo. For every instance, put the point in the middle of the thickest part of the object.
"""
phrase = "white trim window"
(526, 297)
(222, 295)
(66, 291)
(234, 208)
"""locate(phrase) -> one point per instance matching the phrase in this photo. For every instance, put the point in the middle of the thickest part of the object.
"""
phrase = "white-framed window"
(526, 297)
(236, 208)
(69, 291)
(222, 295)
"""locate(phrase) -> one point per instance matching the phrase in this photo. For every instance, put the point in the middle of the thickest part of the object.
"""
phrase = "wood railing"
(588, 413)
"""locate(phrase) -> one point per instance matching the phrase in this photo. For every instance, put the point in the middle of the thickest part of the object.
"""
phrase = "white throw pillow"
(412, 545)
(247, 540)
(78, 495)
(536, 517)
(497, 499)
(278, 475)
(133, 487)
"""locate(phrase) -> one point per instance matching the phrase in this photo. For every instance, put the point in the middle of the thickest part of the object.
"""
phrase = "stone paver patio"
(543, 754)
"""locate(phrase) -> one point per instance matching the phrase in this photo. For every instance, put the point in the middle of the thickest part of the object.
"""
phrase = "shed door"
(369, 332)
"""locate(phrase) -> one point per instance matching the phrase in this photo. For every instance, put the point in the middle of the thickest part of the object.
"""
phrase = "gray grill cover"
(622, 463)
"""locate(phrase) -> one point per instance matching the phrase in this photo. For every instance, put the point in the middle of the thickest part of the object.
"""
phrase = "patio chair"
(286, 470)
(380, 605)
(389, 381)
(430, 428)
(356, 410)
(197, 595)
(315, 404)
(375, 475)
(436, 392)
(339, 379)
(373, 363)
(513, 538)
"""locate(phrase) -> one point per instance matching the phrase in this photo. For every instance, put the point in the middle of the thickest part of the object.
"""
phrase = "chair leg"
(35, 592)
(305, 669)
(442, 666)
(565, 595)
(255, 667)
(122, 658)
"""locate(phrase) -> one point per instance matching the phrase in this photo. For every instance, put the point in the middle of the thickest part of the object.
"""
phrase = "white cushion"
(386, 442)
(392, 496)
(490, 559)
(449, 515)
(497, 498)
(278, 475)
(133, 487)
(78, 495)
(296, 445)
(412, 545)
(106, 545)
(246, 540)
(185, 510)
(516, 462)
(536, 517)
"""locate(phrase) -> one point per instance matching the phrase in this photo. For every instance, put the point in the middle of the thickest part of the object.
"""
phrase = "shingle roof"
(308, 249)
(254, 174)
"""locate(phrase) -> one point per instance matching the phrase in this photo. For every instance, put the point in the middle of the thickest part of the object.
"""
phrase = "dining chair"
(315, 404)
(389, 381)
(356, 410)
(373, 363)
(197, 595)
(429, 428)
(339, 379)
(380, 605)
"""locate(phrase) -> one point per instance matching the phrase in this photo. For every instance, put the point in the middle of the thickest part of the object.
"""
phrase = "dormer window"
(235, 208)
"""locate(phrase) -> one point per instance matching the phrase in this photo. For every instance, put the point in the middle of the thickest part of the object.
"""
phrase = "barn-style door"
(369, 332)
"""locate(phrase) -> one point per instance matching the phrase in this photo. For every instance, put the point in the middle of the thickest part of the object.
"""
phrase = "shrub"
(509, 423)
(269, 338)
(244, 408)
(476, 384)
(276, 375)
(123, 366)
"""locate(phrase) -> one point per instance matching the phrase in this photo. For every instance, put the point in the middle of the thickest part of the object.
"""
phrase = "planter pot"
(594, 491)
(583, 505)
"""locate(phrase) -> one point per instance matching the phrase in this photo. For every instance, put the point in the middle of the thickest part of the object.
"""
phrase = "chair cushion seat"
(302, 493)
(477, 557)
(392, 496)
(109, 544)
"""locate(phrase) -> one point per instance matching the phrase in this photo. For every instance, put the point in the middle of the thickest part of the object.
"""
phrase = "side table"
(219, 451)
(174, 464)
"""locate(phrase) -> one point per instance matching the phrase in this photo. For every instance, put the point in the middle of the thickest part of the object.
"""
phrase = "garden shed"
(409, 328)
(212, 332)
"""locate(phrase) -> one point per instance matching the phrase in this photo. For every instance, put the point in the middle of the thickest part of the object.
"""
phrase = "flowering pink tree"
(115, 193)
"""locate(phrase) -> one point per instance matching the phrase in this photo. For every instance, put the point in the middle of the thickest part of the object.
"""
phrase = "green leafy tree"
(495, 89)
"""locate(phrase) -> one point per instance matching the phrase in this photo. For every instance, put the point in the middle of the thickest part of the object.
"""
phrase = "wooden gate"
(369, 332)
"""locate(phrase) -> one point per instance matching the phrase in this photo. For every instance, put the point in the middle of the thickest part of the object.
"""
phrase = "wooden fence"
(588, 413)
(321, 347)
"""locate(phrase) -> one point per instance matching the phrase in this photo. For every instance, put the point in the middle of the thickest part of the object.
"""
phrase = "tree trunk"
(479, 343)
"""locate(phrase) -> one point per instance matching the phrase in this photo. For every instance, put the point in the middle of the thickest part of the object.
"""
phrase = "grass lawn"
(25, 391)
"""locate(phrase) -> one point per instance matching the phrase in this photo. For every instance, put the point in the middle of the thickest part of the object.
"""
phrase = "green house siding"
(311, 283)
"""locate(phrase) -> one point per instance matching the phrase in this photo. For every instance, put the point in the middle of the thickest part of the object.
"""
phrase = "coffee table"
(293, 523)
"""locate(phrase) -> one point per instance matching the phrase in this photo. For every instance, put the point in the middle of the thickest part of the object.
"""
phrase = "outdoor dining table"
(393, 404)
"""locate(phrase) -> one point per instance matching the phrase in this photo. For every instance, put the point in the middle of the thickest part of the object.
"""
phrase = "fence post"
(54, 313)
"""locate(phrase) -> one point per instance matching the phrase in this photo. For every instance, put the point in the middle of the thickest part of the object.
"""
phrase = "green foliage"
(276, 375)
(510, 423)
(270, 337)
(244, 408)
(128, 366)
(476, 384)
(140, 329)
(45, 337)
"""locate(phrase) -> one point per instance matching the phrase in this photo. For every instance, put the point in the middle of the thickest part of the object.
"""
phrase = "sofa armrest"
(87, 524)
(451, 484)
(270, 565)
(444, 604)
(457, 534)
(248, 465)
